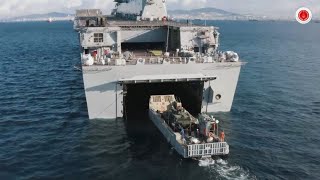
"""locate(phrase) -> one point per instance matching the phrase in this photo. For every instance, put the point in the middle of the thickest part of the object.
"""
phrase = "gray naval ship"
(138, 51)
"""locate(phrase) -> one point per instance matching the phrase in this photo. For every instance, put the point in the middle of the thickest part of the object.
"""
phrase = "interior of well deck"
(137, 96)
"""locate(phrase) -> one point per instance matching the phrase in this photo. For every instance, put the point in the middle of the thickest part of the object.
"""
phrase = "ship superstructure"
(139, 51)
(140, 9)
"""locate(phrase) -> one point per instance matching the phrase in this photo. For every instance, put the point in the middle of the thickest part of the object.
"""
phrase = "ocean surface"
(273, 128)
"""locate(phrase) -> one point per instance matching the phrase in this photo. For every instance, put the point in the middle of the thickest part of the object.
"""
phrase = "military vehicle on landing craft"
(191, 137)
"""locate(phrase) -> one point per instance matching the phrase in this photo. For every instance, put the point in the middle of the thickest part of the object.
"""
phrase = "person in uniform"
(222, 136)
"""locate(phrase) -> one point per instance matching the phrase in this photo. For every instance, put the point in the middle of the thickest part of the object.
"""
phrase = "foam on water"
(225, 170)
(206, 162)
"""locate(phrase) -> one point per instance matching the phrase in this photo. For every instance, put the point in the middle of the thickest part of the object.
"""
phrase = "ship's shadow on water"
(150, 150)
(144, 135)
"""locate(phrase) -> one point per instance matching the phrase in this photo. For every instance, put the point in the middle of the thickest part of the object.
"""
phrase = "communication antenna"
(167, 44)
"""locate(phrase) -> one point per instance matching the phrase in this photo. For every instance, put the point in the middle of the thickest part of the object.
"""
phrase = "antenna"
(167, 43)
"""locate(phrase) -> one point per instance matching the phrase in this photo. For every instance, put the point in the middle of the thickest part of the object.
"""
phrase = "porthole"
(218, 96)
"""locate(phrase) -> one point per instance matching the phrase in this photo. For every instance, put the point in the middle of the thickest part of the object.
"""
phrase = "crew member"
(94, 54)
(222, 136)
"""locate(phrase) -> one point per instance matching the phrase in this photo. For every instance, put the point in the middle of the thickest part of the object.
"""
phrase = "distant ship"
(316, 21)
(71, 18)
(50, 20)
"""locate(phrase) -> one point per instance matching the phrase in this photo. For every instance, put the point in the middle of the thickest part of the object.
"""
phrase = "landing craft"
(191, 137)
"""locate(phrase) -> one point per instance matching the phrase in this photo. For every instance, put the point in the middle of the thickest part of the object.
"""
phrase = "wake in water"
(225, 170)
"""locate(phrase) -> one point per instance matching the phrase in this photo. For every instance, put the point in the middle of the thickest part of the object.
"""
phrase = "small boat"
(50, 20)
(191, 137)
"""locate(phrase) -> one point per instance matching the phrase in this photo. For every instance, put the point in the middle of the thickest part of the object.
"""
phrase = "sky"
(270, 8)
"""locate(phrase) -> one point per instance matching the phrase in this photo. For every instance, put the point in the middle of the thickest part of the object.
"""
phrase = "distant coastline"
(193, 14)
(54, 16)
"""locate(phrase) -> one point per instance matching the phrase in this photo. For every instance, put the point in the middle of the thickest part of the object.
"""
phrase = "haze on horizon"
(270, 8)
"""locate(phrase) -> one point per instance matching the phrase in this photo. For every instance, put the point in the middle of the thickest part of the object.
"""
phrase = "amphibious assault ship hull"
(106, 93)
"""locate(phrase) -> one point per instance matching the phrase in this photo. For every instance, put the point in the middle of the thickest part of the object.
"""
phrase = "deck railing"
(78, 24)
(144, 60)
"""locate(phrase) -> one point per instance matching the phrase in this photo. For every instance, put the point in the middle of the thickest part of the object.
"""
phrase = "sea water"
(273, 128)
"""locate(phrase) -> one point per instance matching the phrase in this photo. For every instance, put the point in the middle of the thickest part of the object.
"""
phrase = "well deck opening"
(137, 96)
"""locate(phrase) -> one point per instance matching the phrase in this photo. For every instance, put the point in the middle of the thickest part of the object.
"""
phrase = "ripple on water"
(225, 170)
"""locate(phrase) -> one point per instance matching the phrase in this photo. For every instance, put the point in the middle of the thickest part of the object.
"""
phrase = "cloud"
(273, 8)
(11, 8)
(188, 4)
(73, 3)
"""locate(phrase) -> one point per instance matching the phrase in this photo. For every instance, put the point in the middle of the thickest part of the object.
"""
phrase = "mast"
(167, 44)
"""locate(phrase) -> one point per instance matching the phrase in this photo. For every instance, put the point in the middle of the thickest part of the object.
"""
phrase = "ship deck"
(139, 24)
(148, 24)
